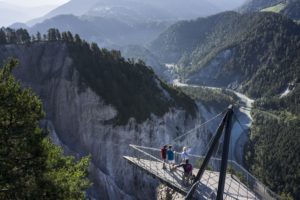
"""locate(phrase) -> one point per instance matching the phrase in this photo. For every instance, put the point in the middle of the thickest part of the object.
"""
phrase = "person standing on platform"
(170, 155)
(185, 154)
(163, 153)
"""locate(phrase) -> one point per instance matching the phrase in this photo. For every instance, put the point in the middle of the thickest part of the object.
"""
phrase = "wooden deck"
(207, 189)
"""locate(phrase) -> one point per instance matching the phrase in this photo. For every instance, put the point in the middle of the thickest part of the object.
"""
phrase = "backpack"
(188, 168)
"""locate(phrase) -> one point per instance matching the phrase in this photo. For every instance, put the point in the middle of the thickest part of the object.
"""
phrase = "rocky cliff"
(77, 119)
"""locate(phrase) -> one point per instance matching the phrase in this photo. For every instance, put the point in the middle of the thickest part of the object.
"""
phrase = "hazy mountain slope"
(230, 49)
(228, 4)
(74, 7)
(134, 10)
(11, 13)
(185, 36)
(105, 31)
(105, 21)
(139, 52)
(292, 9)
(94, 28)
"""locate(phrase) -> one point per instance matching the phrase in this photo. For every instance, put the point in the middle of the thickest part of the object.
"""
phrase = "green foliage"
(199, 163)
(273, 152)
(130, 86)
(276, 8)
(31, 167)
(19, 36)
(238, 174)
(264, 51)
(258, 50)
(64, 177)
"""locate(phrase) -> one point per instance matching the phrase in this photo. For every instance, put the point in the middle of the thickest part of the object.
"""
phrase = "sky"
(24, 10)
(34, 3)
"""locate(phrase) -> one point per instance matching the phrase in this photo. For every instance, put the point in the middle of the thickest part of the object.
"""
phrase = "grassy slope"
(276, 8)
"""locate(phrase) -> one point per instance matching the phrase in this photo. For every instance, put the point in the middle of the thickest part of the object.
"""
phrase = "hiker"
(163, 153)
(171, 160)
(185, 154)
(187, 171)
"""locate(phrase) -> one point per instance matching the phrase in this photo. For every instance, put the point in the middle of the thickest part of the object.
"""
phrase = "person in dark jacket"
(163, 153)
(187, 171)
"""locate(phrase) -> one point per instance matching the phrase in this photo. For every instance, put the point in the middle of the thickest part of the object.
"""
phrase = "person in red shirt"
(163, 153)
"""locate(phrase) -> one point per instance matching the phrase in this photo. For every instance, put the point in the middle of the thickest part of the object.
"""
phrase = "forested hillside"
(130, 86)
(257, 52)
(273, 151)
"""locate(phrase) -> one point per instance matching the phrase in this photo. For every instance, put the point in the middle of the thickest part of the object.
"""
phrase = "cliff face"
(77, 119)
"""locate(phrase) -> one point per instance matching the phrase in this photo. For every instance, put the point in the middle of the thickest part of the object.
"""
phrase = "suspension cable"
(191, 131)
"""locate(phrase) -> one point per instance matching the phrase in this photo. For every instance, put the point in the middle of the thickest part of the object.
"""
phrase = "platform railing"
(238, 172)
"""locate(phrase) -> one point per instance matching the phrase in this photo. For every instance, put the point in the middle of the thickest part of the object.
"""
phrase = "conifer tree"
(31, 167)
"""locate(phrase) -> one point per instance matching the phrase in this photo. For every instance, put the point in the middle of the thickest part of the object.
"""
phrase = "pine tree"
(2, 37)
(31, 167)
(52, 34)
(38, 36)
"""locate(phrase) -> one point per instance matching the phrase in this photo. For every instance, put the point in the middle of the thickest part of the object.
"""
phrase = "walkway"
(207, 189)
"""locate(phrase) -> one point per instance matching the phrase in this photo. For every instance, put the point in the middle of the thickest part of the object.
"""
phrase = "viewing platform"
(207, 189)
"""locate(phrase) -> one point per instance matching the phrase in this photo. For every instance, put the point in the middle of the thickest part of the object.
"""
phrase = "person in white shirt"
(185, 154)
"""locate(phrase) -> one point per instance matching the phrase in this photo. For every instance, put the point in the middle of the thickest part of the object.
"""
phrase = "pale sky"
(24, 10)
(34, 3)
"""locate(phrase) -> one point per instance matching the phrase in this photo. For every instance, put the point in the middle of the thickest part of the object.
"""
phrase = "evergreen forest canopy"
(273, 151)
(259, 51)
(263, 50)
(31, 166)
(129, 85)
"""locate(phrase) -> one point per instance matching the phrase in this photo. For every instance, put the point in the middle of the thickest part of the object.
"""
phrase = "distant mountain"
(105, 31)
(122, 22)
(256, 52)
(227, 4)
(134, 10)
(119, 22)
(73, 7)
(11, 13)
